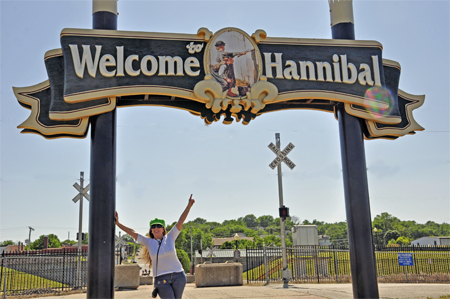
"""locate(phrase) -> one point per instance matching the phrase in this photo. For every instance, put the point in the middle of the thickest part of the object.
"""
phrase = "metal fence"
(317, 264)
(43, 271)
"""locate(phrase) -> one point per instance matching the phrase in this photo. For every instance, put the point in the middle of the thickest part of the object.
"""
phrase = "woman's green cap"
(158, 221)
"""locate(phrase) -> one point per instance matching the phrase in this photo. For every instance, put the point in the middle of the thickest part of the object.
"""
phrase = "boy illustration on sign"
(222, 68)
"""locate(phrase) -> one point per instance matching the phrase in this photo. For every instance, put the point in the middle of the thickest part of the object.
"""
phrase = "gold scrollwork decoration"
(205, 33)
(262, 93)
(210, 92)
(259, 35)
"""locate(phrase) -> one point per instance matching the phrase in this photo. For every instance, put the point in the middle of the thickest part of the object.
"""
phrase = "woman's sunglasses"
(156, 226)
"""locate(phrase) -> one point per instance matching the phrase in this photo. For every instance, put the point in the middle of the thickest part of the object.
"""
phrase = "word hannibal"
(174, 66)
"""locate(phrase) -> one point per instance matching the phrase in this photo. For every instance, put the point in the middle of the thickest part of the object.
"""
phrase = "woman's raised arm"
(126, 229)
(185, 213)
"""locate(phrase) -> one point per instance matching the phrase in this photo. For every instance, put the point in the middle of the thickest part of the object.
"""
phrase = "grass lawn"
(425, 263)
(19, 281)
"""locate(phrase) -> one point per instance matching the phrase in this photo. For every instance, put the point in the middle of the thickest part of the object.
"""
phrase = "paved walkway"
(301, 291)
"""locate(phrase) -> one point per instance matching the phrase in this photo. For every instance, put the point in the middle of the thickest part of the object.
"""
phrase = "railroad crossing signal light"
(284, 212)
(83, 236)
(199, 251)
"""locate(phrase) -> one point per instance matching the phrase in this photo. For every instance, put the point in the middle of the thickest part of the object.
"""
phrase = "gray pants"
(171, 286)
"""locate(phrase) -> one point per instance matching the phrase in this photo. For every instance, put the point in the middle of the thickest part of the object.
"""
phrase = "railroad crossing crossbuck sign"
(120, 241)
(82, 192)
(281, 156)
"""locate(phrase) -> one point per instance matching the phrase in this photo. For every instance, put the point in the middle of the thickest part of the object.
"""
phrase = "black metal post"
(102, 204)
(359, 223)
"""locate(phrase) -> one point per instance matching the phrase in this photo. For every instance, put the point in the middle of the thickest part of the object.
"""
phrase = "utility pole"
(29, 239)
(192, 260)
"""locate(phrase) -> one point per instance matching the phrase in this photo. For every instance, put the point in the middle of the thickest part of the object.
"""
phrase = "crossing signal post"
(284, 212)
(82, 192)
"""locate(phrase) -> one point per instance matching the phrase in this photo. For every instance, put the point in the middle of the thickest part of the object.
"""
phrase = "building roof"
(433, 237)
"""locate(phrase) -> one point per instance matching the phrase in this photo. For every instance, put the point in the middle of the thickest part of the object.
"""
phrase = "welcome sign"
(228, 74)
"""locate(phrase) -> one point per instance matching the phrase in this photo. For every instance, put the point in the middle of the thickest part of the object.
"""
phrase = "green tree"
(69, 242)
(228, 245)
(53, 242)
(237, 229)
(250, 220)
(85, 241)
(391, 235)
(199, 220)
(288, 224)
(212, 225)
(221, 232)
(184, 238)
(127, 238)
(273, 229)
(272, 240)
(385, 221)
(403, 241)
(242, 244)
(7, 242)
(233, 222)
(444, 229)
(337, 232)
(184, 260)
(266, 220)
(392, 242)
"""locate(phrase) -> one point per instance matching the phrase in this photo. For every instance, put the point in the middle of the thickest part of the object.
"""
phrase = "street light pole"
(376, 236)
(236, 252)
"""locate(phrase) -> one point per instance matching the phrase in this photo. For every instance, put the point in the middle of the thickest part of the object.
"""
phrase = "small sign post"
(282, 157)
(405, 259)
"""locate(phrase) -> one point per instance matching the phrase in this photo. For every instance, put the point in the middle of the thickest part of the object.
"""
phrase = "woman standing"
(170, 279)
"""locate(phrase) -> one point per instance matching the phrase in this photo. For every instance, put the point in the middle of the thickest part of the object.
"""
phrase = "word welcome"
(125, 65)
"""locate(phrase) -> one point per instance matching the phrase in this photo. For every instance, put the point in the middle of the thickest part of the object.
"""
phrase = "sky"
(164, 154)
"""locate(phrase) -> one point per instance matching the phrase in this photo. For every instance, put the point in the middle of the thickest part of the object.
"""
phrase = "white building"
(432, 241)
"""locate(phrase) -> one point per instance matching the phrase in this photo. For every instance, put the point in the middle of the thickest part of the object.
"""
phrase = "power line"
(22, 227)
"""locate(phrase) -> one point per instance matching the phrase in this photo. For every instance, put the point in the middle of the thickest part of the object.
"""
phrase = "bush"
(184, 260)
